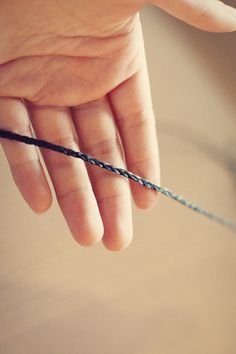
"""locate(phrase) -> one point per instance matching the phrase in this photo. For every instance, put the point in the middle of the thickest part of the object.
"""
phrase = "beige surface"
(174, 290)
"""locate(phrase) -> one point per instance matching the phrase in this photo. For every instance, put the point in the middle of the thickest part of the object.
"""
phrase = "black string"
(120, 171)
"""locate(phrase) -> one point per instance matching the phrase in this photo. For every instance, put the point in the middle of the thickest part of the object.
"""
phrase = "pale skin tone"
(75, 73)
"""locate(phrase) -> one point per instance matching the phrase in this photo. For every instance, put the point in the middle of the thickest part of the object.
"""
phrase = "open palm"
(76, 74)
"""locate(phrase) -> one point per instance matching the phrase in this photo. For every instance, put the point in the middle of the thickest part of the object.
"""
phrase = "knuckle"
(106, 147)
(68, 141)
(22, 128)
(60, 161)
(114, 196)
(202, 15)
(137, 118)
(66, 193)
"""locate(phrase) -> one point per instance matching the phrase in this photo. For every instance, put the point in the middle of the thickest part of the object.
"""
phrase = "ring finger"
(69, 176)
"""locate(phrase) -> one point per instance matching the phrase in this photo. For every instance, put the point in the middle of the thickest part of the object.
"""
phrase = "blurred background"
(173, 291)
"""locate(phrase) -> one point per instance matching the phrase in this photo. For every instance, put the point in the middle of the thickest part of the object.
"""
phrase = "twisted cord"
(119, 171)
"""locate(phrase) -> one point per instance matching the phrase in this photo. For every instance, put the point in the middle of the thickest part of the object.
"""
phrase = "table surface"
(173, 291)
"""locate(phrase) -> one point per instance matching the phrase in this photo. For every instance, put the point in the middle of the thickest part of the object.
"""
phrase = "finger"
(131, 103)
(98, 137)
(208, 15)
(23, 159)
(69, 176)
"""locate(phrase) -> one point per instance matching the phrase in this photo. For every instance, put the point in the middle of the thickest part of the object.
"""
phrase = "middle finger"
(98, 137)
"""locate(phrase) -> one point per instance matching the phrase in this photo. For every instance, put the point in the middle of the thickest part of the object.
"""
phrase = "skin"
(75, 73)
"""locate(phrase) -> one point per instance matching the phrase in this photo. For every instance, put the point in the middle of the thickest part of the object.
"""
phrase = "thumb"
(208, 15)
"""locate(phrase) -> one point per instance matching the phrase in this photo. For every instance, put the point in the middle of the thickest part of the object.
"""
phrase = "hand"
(75, 72)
